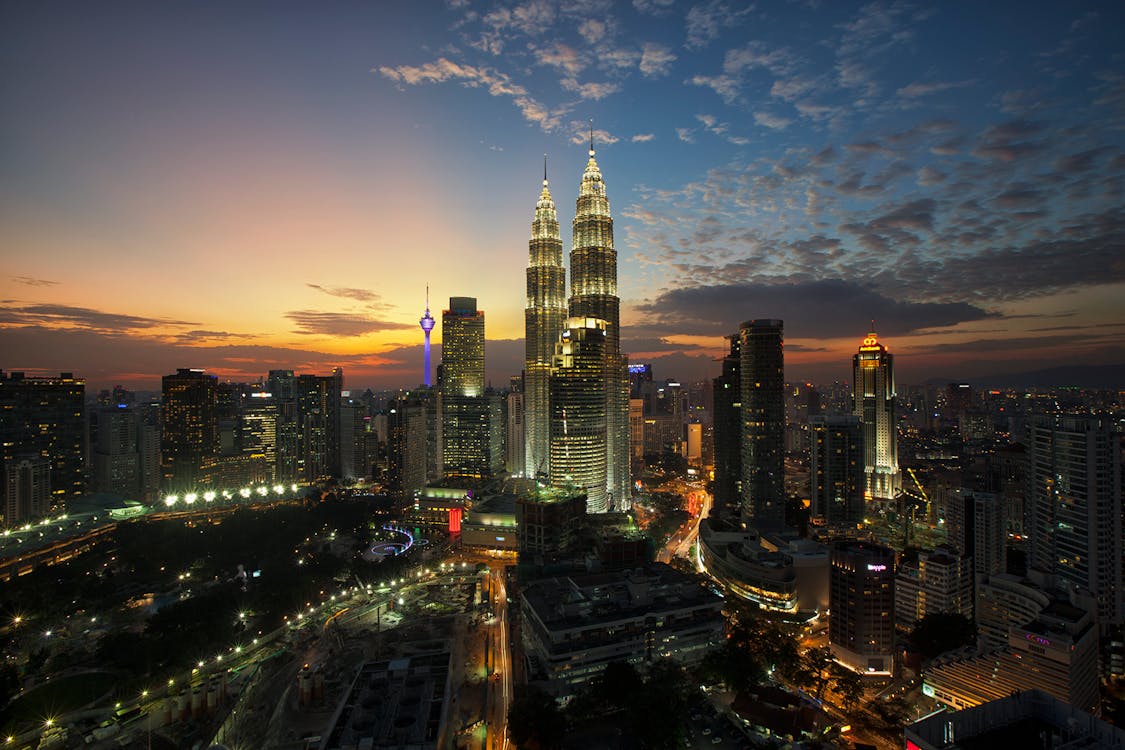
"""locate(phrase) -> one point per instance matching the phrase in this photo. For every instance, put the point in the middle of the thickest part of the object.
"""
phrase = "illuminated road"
(680, 543)
(500, 676)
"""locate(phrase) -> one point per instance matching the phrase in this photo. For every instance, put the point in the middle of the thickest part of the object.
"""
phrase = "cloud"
(774, 122)
(592, 30)
(915, 90)
(65, 316)
(591, 91)
(656, 59)
(497, 84)
(31, 281)
(581, 134)
(361, 295)
(685, 135)
(314, 322)
(831, 308)
(703, 23)
(642, 137)
(562, 57)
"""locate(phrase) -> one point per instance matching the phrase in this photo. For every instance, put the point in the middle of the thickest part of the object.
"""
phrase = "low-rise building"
(1029, 718)
(1056, 653)
(574, 626)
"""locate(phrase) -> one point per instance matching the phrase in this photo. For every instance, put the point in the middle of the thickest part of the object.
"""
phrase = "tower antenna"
(591, 136)
(544, 170)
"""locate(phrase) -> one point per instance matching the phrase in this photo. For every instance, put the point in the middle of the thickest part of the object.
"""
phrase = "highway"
(680, 543)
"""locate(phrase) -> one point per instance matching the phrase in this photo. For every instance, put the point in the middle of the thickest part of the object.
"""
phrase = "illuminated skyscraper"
(1076, 485)
(190, 433)
(427, 323)
(466, 436)
(762, 375)
(46, 417)
(578, 411)
(593, 294)
(873, 378)
(543, 322)
(861, 597)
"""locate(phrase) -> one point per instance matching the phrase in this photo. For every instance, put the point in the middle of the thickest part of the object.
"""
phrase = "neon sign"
(876, 568)
(1037, 639)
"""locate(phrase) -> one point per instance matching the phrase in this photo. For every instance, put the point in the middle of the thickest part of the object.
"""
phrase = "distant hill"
(1101, 377)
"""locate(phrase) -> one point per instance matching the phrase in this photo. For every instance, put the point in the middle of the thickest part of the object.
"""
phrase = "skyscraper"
(578, 413)
(46, 417)
(873, 379)
(836, 469)
(861, 597)
(1074, 506)
(543, 322)
(763, 423)
(593, 294)
(466, 437)
(728, 434)
(190, 432)
(427, 323)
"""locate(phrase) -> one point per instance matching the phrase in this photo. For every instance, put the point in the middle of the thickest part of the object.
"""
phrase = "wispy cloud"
(642, 137)
(915, 90)
(66, 316)
(495, 82)
(31, 281)
(315, 322)
(656, 59)
(360, 295)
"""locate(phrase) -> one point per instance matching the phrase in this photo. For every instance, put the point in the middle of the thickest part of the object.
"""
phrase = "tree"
(939, 632)
(850, 687)
(535, 720)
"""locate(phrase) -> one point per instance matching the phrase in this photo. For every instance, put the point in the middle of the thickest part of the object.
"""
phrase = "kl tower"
(427, 323)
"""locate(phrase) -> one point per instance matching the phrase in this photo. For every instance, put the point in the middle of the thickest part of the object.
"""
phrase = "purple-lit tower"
(427, 323)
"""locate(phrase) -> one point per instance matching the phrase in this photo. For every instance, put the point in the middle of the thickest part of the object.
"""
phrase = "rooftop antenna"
(591, 136)
(544, 170)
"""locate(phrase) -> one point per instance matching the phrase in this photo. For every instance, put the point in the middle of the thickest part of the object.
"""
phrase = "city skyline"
(244, 191)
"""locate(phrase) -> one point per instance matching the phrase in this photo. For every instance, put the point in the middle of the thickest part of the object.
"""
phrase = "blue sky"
(259, 185)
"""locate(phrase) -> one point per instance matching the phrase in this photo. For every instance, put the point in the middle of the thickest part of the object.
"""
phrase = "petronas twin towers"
(576, 385)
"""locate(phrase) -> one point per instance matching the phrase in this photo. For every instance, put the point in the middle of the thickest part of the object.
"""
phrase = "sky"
(252, 186)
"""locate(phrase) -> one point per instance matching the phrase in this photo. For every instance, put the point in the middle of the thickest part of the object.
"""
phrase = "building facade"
(189, 405)
(1074, 506)
(762, 396)
(578, 411)
(465, 418)
(593, 294)
(46, 417)
(873, 379)
(861, 597)
(728, 433)
(544, 316)
(836, 475)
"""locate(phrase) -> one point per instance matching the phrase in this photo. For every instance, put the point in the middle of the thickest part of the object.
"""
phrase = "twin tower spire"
(576, 397)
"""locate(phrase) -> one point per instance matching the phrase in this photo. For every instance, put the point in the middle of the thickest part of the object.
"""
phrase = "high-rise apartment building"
(544, 317)
(836, 477)
(974, 521)
(861, 597)
(27, 489)
(465, 418)
(1074, 506)
(593, 295)
(282, 386)
(873, 379)
(115, 456)
(578, 413)
(936, 581)
(190, 426)
(46, 417)
(728, 433)
(257, 429)
(761, 371)
(515, 446)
